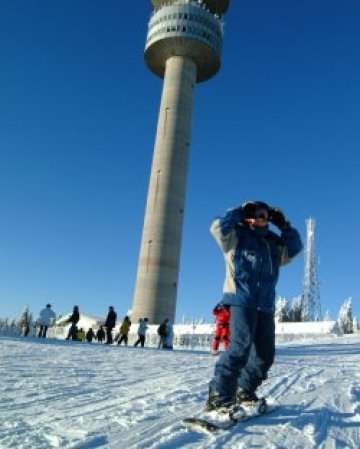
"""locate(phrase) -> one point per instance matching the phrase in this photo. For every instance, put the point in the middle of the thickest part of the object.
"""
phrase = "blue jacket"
(253, 256)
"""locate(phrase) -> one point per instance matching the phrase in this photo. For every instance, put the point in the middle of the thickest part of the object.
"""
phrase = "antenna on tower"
(311, 306)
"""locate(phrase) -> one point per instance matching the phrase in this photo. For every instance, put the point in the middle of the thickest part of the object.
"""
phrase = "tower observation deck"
(183, 47)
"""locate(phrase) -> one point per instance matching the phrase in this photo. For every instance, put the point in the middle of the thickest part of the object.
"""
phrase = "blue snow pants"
(250, 353)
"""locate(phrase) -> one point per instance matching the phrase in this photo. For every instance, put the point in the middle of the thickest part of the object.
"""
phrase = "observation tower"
(183, 47)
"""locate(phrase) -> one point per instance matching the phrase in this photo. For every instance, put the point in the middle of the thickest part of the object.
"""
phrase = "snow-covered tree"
(327, 316)
(296, 309)
(3, 326)
(282, 310)
(345, 318)
(15, 328)
(26, 323)
(10, 327)
(356, 324)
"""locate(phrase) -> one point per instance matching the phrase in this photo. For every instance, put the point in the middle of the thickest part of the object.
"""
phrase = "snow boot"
(214, 403)
(249, 400)
(245, 397)
(223, 410)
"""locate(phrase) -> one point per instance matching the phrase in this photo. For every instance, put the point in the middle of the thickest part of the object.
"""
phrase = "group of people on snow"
(104, 334)
(78, 334)
(45, 320)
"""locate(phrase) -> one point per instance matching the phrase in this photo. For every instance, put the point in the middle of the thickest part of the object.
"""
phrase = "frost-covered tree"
(24, 322)
(15, 328)
(356, 324)
(3, 326)
(327, 316)
(296, 309)
(282, 310)
(10, 327)
(345, 318)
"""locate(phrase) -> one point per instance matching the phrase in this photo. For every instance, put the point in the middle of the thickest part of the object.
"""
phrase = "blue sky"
(78, 112)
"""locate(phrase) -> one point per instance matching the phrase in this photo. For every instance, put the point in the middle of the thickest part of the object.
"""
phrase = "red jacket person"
(222, 327)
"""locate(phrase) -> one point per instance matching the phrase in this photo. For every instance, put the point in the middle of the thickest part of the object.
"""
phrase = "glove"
(277, 218)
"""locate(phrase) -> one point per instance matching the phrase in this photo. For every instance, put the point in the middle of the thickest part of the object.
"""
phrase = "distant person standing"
(80, 335)
(124, 331)
(162, 333)
(100, 334)
(46, 319)
(222, 327)
(25, 322)
(73, 319)
(169, 341)
(142, 332)
(90, 335)
(110, 323)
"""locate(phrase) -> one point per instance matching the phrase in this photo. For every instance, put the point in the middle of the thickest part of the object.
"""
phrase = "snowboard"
(207, 424)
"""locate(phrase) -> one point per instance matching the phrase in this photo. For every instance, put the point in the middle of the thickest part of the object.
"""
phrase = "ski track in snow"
(57, 394)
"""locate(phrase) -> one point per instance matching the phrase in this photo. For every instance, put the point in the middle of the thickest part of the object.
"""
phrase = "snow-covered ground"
(60, 394)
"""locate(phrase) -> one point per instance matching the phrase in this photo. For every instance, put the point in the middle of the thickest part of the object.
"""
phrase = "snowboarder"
(124, 331)
(73, 319)
(110, 323)
(142, 332)
(222, 327)
(46, 319)
(100, 334)
(162, 333)
(253, 254)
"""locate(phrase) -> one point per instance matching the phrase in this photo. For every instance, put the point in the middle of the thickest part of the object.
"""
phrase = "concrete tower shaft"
(183, 46)
(156, 286)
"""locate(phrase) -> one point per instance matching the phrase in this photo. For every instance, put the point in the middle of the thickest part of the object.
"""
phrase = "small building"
(289, 331)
